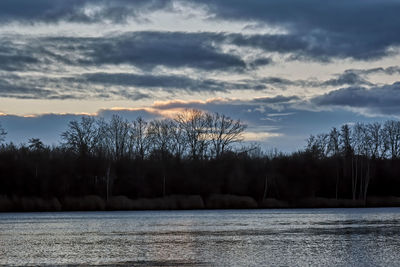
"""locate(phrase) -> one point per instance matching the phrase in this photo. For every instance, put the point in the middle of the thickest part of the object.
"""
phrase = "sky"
(285, 68)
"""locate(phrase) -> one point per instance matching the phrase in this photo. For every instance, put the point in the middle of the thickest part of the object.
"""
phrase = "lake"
(301, 237)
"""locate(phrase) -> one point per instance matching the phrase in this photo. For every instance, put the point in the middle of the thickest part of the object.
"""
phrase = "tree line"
(200, 153)
(191, 134)
(357, 150)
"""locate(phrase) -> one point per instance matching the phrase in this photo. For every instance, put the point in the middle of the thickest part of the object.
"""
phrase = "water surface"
(303, 237)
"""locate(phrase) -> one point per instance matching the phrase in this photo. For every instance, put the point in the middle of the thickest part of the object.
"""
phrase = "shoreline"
(182, 202)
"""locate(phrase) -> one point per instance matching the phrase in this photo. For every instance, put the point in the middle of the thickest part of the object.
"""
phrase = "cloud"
(144, 50)
(388, 71)
(259, 62)
(171, 83)
(259, 136)
(379, 99)
(348, 77)
(21, 91)
(39, 87)
(318, 46)
(15, 57)
(280, 99)
(84, 11)
(314, 28)
(147, 50)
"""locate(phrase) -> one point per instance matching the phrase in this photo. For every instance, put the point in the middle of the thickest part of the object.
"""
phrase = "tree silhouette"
(224, 132)
(82, 136)
(3, 134)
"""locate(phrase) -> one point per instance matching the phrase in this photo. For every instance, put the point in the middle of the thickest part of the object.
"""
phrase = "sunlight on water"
(330, 237)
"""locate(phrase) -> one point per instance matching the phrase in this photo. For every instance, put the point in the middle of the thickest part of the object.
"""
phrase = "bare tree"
(139, 141)
(3, 134)
(346, 148)
(378, 149)
(357, 144)
(35, 144)
(118, 136)
(159, 133)
(81, 136)
(178, 139)
(224, 132)
(102, 149)
(333, 142)
(392, 137)
(345, 140)
(195, 126)
(318, 145)
(333, 149)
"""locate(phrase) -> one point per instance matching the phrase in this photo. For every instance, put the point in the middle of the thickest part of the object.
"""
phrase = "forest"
(197, 160)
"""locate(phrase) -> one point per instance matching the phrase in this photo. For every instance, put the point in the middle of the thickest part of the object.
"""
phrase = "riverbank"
(182, 202)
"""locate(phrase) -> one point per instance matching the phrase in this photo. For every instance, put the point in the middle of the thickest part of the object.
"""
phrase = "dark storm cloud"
(382, 99)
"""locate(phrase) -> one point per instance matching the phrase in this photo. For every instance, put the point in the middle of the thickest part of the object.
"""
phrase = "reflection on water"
(331, 237)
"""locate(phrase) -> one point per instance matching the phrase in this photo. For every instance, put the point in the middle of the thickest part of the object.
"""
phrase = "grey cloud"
(349, 78)
(346, 78)
(15, 57)
(357, 29)
(18, 53)
(318, 46)
(389, 70)
(382, 99)
(172, 49)
(261, 62)
(10, 90)
(145, 50)
(169, 82)
(283, 82)
(53, 11)
(112, 85)
(314, 28)
(276, 99)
